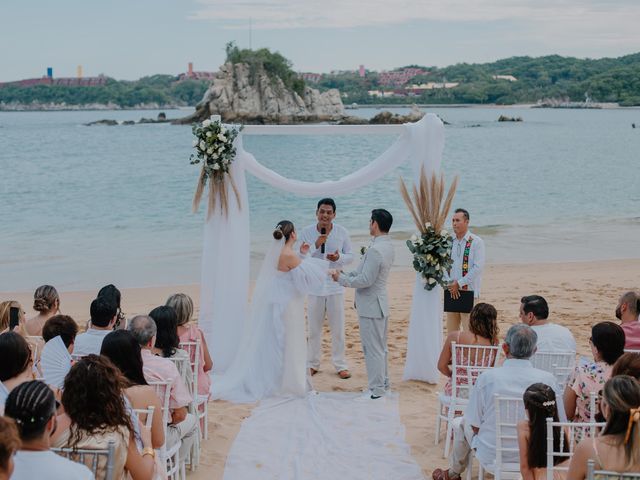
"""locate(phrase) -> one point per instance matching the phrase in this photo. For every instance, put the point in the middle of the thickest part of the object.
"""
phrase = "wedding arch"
(226, 244)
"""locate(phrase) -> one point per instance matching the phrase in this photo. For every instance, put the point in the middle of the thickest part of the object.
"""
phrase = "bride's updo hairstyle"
(284, 229)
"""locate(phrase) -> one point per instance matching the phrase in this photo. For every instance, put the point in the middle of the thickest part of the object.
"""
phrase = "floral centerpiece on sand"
(429, 208)
(215, 149)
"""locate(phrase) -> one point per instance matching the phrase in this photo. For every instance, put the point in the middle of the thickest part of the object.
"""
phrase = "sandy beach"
(579, 295)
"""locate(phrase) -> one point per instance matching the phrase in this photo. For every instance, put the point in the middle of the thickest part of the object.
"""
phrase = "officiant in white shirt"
(329, 241)
(468, 263)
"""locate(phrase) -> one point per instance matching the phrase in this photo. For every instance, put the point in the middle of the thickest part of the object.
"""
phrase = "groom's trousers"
(373, 333)
(333, 307)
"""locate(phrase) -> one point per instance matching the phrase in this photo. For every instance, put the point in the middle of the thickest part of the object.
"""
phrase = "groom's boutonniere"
(363, 250)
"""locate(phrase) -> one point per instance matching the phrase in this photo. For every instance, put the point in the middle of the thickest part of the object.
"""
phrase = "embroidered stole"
(465, 260)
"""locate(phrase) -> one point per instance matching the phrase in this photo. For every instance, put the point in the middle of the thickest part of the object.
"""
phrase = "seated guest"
(477, 428)
(33, 407)
(103, 316)
(607, 345)
(552, 337)
(63, 326)
(96, 413)
(16, 363)
(483, 330)
(183, 426)
(124, 352)
(627, 312)
(189, 332)
(627, 364)
(9, 444)
(617, 448)
(168, 343)
(111, 293)
(47, 303)
(5, 316)
(539, 403)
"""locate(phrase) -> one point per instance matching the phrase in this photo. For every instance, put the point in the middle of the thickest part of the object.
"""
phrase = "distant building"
(431, 86)
(509, 78)
(398, 78)
(190, 74)
(310, 77)
(361, 71)
(64, 81)
(387, 93)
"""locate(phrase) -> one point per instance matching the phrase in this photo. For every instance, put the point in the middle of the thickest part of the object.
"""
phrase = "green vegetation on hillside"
(272, 62)
(550, 77)
(160, 89)
(603, 80)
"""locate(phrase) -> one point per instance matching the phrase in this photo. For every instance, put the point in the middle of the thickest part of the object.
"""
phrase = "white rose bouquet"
(429, 208)
(431, 255)
(214, 148)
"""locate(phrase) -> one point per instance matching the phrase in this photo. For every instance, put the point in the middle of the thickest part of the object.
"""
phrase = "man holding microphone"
(328, 241)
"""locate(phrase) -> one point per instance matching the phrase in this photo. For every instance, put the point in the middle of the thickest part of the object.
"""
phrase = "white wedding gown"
(294, 434)
(271, 360)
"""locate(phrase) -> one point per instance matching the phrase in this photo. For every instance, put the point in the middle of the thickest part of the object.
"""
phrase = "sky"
(128, 39)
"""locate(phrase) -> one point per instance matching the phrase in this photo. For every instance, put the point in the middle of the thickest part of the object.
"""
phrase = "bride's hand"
(304, 248)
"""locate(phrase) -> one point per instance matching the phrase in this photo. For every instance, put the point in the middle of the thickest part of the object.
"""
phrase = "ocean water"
(84, 206)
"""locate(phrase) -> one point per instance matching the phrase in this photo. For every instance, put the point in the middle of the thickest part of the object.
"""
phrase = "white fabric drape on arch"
(226, 245)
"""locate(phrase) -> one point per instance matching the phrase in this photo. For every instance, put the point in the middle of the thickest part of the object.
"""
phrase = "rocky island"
(242, 93)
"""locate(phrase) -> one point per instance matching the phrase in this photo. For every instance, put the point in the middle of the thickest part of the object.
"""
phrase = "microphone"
(323, 231)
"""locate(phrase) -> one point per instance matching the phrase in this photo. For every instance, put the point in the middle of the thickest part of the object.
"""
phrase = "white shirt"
(338, 239)
(4, 393)
(90, 342)
(554, 338)
(510, 380)
(473, 278)
(46, 464)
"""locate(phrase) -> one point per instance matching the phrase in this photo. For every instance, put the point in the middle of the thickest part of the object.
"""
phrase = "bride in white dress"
(271, 360)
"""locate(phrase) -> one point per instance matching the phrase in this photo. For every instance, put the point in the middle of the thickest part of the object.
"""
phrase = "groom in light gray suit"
(370, 282)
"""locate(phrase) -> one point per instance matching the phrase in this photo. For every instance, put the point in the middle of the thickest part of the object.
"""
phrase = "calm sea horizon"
(85, 206)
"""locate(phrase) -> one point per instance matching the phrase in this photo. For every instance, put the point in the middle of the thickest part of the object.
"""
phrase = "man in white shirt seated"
(33, 407)
(534, 311)
(183, 426)
(103, 317)
(477, 428)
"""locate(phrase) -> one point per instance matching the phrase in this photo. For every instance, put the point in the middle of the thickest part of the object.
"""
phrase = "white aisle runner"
(322, 436)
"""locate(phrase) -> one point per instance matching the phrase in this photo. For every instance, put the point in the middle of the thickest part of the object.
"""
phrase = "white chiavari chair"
(593, 474)
(467, 363)
(92, 458)
(170, 455)
(571, 434)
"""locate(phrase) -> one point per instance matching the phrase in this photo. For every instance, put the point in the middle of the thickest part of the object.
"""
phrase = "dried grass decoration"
(214, 148)
(429, 209)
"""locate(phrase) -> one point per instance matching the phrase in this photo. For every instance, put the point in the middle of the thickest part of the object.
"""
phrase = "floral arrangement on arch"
(215, 150)
(429, 208)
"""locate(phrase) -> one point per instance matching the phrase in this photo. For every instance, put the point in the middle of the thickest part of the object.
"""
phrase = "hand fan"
(55, 362)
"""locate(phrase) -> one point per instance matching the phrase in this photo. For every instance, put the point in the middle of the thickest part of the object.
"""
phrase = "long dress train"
(272, 355)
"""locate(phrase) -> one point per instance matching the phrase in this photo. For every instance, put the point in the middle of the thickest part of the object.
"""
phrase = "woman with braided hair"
(32, 406)
(617, 448)
(539, 403)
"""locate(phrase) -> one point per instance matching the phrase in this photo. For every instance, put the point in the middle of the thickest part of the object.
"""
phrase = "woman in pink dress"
(189, 332)
(483, 331)
(607, 345)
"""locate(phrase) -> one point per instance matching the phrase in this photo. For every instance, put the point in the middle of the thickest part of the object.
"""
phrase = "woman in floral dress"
(607, 344)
